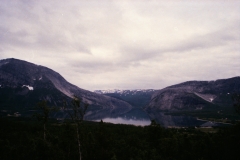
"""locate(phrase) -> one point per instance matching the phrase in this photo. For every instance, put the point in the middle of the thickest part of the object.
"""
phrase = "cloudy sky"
(117, 44)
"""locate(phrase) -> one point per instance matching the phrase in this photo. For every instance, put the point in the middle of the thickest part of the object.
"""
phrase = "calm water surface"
(119, 120)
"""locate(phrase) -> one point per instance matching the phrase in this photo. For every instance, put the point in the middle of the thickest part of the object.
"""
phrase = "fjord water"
(120, 120)
(164, 121)
(136, 116)
(139, 117)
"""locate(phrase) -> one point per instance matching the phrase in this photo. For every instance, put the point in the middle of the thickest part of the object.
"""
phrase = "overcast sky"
(117, 44)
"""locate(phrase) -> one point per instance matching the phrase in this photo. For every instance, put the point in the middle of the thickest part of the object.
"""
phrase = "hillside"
(23, 85)
(196, 97)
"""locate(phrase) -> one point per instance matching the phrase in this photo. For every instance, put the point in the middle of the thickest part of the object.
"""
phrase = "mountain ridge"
(136, 97)
(23, 84)
(199, 98)
(16, 76)
(206, 90)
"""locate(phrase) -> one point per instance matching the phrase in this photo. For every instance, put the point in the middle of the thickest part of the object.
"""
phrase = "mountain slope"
(23, 84)
(195, 96)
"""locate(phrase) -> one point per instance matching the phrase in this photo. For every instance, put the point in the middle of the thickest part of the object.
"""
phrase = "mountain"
(211, 97)
(137, 98)
(24, 84)
(195, 95)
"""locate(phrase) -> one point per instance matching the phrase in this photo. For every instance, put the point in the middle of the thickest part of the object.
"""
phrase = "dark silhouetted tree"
(44, 114)
(77, 112)
(236, 102)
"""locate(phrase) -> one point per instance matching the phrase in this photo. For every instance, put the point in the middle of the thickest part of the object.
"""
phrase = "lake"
(120, 120)
(167, 121)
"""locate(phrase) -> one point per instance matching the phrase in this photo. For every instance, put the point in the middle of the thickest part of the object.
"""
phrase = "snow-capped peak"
(122, 91)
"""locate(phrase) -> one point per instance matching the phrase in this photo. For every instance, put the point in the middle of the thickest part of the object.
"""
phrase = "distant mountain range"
(137, 98)
(24, 84)
(124, 92)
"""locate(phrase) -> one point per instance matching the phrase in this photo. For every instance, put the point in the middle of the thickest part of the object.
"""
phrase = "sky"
(124, 44)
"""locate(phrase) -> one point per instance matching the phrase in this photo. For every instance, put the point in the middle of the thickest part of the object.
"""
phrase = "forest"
(25, 138)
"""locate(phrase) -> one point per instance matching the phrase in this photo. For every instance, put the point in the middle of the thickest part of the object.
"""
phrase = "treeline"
(23, 139)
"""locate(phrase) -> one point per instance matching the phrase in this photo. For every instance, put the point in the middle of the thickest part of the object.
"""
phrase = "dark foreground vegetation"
(23, 139)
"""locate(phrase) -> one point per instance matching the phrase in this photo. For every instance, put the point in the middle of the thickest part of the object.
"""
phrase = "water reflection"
(119, 120)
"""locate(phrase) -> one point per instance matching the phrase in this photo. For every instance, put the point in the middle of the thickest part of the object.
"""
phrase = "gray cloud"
(217, 38)
(124, 44)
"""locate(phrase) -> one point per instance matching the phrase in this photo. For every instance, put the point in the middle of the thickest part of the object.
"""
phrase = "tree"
(77, 113)
(236, 102)
(153, 123)
(44, 116)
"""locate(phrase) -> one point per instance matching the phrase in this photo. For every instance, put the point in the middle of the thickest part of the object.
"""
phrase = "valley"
(24, 84)
(183, 121)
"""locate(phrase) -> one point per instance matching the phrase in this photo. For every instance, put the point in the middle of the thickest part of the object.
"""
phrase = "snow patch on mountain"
(29, 87)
